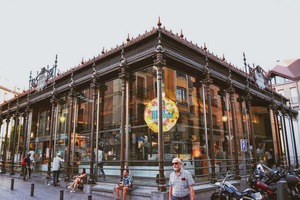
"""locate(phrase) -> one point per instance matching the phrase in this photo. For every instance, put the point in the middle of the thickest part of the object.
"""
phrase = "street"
(22, 190)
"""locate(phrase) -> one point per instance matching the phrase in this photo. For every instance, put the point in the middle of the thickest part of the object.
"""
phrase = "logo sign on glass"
(170, 114)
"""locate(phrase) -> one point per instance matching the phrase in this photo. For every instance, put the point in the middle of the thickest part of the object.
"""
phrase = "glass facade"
(115, 107)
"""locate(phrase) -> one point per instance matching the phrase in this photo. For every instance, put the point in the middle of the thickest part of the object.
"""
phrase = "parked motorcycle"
(227, 191)
(259, 182)
(266, 182)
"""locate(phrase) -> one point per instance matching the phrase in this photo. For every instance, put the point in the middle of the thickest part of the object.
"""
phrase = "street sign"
(243, 143)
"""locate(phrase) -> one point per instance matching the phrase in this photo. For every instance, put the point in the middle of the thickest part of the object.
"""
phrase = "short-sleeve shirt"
(127, 180)
(181, 183)
(100, 156)
(31, 155)
(56, 162)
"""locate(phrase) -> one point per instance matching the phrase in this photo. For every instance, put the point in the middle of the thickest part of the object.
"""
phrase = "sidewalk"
(22, 190)
(101, 190)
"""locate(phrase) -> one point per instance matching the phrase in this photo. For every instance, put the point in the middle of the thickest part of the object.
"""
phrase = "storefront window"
(44, 123)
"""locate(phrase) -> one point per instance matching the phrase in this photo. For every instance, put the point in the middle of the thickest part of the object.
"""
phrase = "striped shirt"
(181, 183)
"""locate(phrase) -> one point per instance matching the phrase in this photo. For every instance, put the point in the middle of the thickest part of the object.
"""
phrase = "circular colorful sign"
(170, 114)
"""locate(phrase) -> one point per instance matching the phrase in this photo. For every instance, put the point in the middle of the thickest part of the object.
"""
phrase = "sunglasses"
(175, 163)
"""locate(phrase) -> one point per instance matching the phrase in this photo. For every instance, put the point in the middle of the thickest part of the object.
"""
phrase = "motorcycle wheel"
(215, 196)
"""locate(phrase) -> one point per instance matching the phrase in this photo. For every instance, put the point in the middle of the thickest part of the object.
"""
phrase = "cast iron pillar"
(251, 127)
(71, 96)
(25, 128)
(123, 76)
(293, 134)
(159, 62)
(275, 118)
(1, 122)
(94, 88)
(207, 82)
(53, 102)
(231, 92)
(3, 170)
(248, 107)
(283, 112)
(12, 155)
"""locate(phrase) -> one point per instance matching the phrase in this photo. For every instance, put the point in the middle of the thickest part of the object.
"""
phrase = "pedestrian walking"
(101, 160)
(27, 170)
(56, 167)
(32, 161)
(181, 182)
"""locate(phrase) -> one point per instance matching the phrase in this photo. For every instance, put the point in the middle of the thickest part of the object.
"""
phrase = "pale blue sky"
(34, 31)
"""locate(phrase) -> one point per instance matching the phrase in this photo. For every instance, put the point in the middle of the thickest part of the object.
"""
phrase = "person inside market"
(101, 160)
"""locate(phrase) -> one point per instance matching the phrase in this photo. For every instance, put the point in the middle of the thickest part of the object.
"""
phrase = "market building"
(153, 98)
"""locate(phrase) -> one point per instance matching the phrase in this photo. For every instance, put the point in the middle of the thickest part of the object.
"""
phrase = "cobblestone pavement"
(22, 190)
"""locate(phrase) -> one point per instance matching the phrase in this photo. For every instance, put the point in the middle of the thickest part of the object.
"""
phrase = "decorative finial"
(245, 63)
(205, 48)
(82, 61)
(102, 51)
(223, 58)
(128, 39)
(94, 75)
(55, 62)
(159, 47)
(181, 34)
(159, 23)
(71, 85)
(123, 61)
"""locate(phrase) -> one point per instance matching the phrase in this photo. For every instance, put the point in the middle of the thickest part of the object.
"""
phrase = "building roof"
(295, 68)
(291, 71)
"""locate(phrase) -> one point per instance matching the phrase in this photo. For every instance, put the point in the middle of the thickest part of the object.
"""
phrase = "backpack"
(23, 162)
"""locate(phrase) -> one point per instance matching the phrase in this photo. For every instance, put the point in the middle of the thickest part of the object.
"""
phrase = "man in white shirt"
(56, 167)
(31, 152)
(100, 162)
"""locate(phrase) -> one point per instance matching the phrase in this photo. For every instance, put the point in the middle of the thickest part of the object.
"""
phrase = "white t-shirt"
(31, 155)
(100, 155)
(56, 162)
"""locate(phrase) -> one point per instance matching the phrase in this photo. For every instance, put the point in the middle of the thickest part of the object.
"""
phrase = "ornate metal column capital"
(230, 89)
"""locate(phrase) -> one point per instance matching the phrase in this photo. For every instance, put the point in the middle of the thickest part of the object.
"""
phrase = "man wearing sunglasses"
(181, 183)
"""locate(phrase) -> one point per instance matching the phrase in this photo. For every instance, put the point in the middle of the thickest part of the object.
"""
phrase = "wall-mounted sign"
(243, 143)
(259, 77)
(40, 81)
(170, 114)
